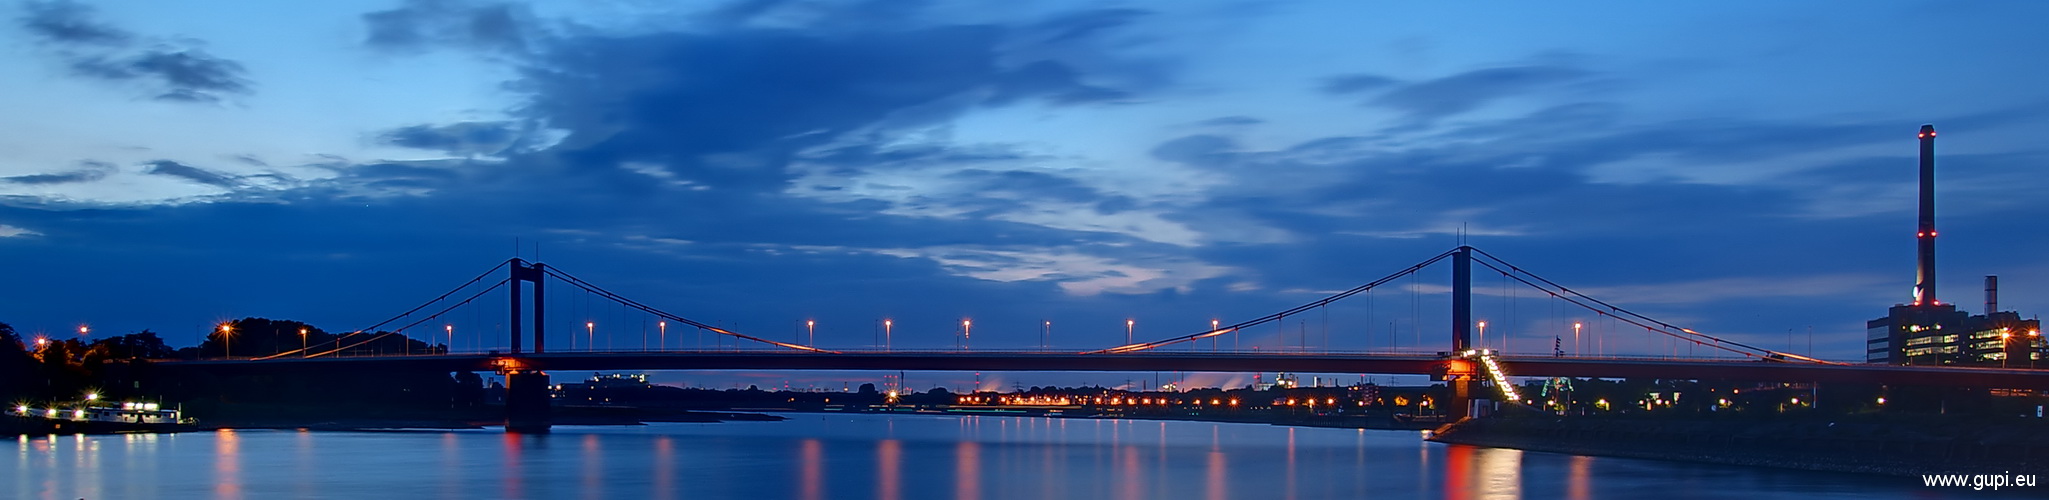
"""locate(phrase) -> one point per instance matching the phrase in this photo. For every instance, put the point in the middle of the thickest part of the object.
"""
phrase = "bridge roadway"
(1361, 363)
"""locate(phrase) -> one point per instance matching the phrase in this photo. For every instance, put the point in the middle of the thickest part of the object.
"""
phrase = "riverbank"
(389, 419)
(1887, 445)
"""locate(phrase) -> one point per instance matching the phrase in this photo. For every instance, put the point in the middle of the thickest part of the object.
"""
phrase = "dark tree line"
(45, 370)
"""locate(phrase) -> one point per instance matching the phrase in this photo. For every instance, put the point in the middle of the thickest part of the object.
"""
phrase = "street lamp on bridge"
(1482, 342)
(966, 333)
(664, 339)
(590, 332)
(1129, 325)
(1046, 337)
(886, 323)
(302, 342)
(227, 338)
(1575, 338)
(447, 349)
(811, 332)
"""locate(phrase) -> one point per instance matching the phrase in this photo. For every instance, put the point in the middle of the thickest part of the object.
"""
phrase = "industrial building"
(1930, 332)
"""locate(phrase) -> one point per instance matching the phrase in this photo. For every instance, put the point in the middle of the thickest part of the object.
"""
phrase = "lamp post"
(886, 323)
(590, 332)
(2005, 347)
(227, 341)
(1575, 338)
(1482, 342)
(302, 342)
(446, 349)
(1213, 335)
(966, 333)
(664, 339)
(1046, 336)
(811, 332)
(1129, 325)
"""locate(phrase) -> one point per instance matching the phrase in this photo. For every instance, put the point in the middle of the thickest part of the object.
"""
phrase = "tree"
(144, 344)
(17, 366)
(867, 390)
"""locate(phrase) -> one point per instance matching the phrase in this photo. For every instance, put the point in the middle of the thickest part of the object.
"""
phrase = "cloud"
(1347, 84)
(7, 231)
(1076, 273)
(1083, 24)
(93, 171)
(1230, 121)
(64, 21)
(189, 75)
(175, 70)
(461, 139)
(423, 24)
(195, 174)
(1426, 101)
(756, 100)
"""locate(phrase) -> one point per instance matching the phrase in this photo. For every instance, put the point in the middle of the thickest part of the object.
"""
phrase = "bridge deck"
(1386, 364)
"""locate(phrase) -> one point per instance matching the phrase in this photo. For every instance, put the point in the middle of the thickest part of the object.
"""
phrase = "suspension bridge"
(1466, 361)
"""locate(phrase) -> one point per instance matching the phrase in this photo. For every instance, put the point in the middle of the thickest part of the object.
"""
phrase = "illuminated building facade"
(1939, 334)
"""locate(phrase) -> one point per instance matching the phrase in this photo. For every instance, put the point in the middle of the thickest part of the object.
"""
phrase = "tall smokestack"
(1924, 281)
(1991, 295)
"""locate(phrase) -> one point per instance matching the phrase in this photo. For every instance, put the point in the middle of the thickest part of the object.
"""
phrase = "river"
(820, 456)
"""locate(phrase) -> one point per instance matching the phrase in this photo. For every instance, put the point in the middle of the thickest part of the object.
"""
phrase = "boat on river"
(95, 417)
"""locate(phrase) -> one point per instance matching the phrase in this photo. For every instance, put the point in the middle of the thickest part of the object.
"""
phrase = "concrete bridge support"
(527, 402)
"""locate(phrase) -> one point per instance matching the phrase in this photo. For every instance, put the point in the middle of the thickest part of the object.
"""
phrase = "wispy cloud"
(7, 231)
(1074, 272)
(176, 69)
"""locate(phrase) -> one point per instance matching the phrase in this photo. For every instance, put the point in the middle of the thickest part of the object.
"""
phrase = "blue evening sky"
(1742, 168)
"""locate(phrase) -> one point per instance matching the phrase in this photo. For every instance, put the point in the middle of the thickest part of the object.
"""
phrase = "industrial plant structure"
(1930, 332)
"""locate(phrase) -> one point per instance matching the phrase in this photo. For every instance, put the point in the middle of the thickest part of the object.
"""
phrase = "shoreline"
(1880, 448)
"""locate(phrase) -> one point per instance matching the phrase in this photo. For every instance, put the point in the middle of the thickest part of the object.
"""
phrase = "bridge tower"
(1460, 373)
(526, 387)
(521, 271)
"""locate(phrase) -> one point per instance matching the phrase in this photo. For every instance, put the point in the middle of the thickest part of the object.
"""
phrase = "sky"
(1743, 169)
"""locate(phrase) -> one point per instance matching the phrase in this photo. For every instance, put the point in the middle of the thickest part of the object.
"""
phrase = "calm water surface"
(815, 456)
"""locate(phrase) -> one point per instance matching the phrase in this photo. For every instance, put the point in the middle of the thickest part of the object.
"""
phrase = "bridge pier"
(1460, 377)
(527, 402)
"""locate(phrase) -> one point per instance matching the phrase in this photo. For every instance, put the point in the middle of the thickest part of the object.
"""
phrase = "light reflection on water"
(815, 456)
